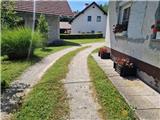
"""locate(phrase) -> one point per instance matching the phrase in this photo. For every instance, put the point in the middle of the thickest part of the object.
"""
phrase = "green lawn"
(114, 107)
(11, 69)
(84, 41)
(48, 98)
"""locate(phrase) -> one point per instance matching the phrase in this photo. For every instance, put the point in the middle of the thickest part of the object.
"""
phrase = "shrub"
(4, 84)
(9, 17)
(43, 28)
(15, 43)
(80, 36)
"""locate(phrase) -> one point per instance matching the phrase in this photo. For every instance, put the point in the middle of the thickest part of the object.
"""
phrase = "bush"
(43, 28)
(4, 84)
(80, 36)
(15, 43)
(9, 17)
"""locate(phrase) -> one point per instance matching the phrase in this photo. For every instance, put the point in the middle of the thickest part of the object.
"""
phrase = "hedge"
(80, 36)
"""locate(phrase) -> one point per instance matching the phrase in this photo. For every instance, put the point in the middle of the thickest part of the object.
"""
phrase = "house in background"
(65, 27)
(51, 9)
(136, 42)
(90, 20)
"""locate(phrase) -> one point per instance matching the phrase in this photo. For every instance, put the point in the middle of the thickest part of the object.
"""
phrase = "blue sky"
(79, 4)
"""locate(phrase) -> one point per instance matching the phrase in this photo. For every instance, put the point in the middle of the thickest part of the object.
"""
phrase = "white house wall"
(80, 24)
(138, 44)
(53, 24)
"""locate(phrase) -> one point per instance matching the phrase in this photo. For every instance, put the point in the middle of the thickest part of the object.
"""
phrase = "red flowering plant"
(156, 27)
(118, 28)
(124, 62)
(103, 53)
(103, 50)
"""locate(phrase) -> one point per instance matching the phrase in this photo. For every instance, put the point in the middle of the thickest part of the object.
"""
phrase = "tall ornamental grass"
(16, 43)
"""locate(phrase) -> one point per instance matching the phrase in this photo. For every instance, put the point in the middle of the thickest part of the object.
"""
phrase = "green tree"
(43, 28)
(104, 7)
(9, 18)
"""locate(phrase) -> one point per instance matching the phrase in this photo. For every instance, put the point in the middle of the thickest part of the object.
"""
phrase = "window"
(89, 18)
(92, 31)
(98, 18)
(125, 20)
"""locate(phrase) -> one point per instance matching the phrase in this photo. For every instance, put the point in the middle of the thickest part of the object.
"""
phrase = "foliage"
(158, 27)
(84, 41)
(4, 84)
(65, 19)
(42, 25)
(9, 19)
(104, 7)
(16, 43)
(114, 107)
(43, 28)
(9, 72)
(48, 99)
(81, 36)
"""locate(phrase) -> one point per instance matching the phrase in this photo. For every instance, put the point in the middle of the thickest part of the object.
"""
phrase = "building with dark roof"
(51, 9)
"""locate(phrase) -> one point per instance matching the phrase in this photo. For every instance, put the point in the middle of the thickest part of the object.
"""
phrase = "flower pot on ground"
(124, 67)
(103, 53)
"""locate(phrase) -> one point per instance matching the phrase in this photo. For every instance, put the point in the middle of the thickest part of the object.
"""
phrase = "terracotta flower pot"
(103, 53)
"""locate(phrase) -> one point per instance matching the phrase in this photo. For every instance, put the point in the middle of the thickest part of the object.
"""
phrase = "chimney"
(86, 4)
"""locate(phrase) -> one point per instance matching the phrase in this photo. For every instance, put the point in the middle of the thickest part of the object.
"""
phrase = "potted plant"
(158, 29)
(124, 67)
(154, 32)
(120, 29)
(103, 53)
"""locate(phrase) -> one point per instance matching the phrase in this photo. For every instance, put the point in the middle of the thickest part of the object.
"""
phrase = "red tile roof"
(45, 6)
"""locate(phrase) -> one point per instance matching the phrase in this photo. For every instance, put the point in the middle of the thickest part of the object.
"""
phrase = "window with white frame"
(89, 18)
(98, 18)
(123, 17)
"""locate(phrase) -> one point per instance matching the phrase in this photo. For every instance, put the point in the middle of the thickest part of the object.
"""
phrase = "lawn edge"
(71, 55)
(103, 113)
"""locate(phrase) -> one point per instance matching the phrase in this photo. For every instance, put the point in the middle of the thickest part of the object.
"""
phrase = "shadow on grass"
(61, 44)
(33, 59)
(67, 43)
(46, 49)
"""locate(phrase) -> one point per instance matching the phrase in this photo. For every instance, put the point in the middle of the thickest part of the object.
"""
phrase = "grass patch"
(11, 69)
(84, 41)
(113, 104)
(48, 100)
(10, 73)
(96, 50)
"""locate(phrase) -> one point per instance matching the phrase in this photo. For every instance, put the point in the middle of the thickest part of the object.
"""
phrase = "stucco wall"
(138, 43)
(53, 24)
(53, 27)
(80, 24)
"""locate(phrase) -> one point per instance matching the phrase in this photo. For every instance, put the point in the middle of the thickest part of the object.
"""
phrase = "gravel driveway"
(78, 86)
